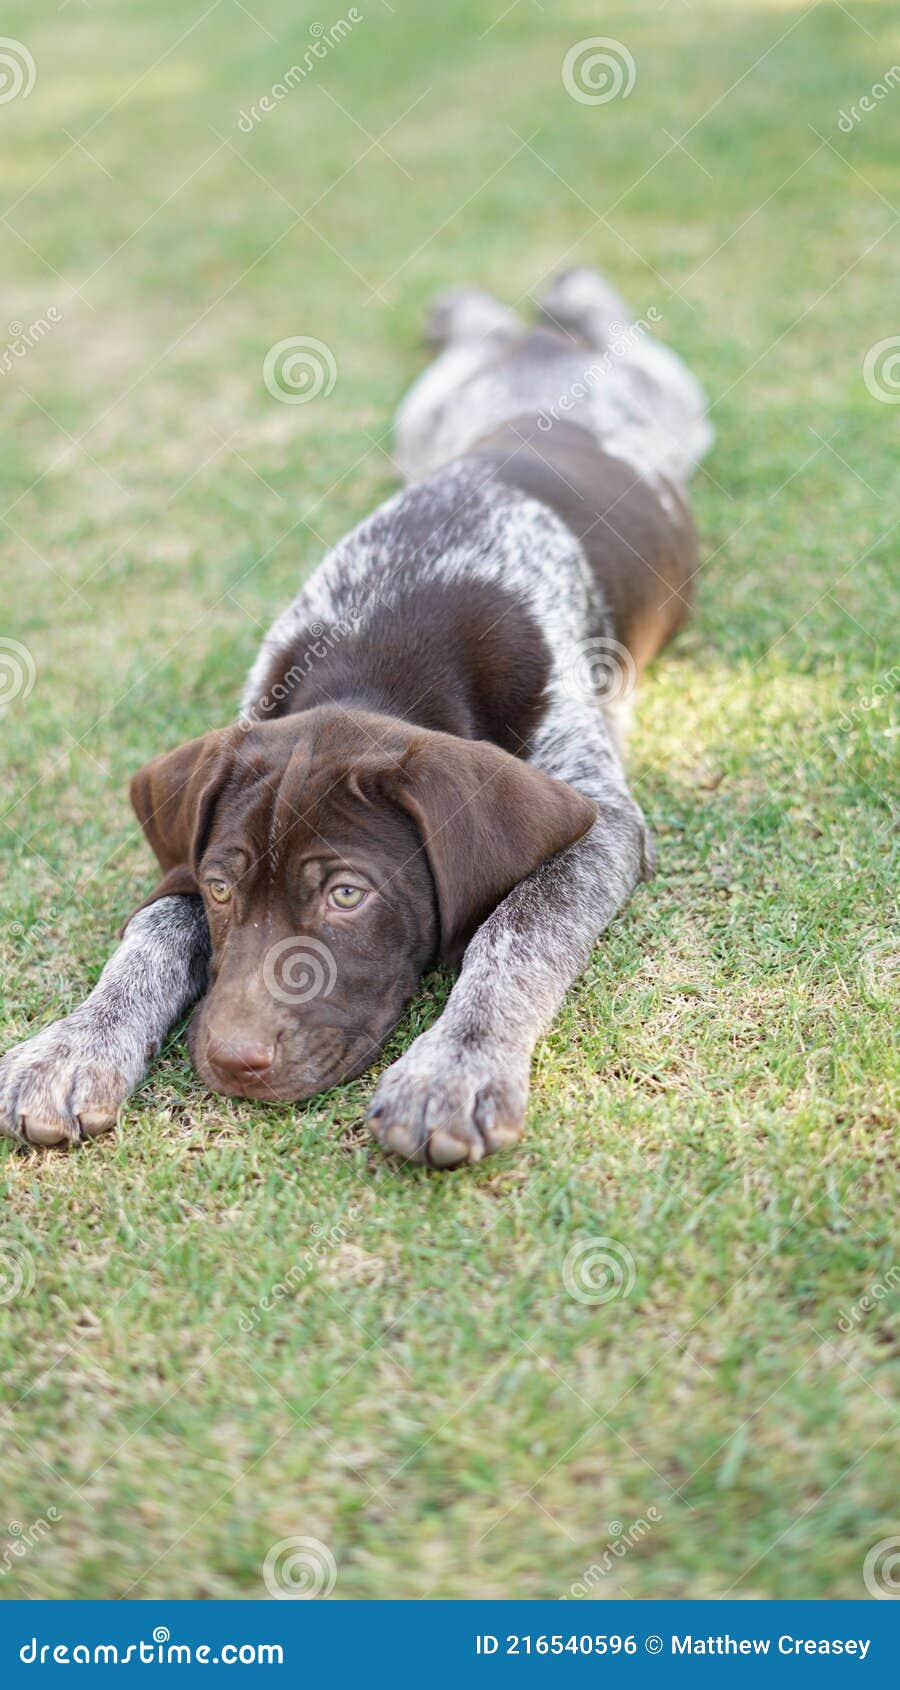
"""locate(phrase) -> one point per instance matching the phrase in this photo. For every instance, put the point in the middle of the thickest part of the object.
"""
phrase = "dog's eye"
(347, 897)
(219, 891)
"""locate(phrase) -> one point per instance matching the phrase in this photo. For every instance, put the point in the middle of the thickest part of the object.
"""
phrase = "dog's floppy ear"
(486, 819)
(173, 798)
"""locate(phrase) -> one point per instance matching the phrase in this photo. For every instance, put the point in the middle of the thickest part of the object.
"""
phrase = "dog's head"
(337, 853)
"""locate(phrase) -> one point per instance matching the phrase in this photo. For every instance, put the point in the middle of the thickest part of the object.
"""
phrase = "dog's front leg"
(460, 1090)
(69, 1081)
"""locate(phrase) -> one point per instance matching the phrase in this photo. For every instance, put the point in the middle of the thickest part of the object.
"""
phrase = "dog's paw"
(445, 1102)
(61, 1087)
(456, 315)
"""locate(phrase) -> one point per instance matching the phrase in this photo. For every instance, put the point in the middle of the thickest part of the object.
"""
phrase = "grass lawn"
(429, 1399)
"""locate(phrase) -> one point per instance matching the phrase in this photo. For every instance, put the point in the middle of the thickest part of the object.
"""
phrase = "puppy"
(427, 765)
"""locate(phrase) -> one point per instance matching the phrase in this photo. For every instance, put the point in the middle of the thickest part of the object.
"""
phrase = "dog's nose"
(233, 1057)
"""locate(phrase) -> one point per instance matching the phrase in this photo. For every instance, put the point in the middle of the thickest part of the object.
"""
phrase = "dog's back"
(455, 675)
(636, 531)
(547, 466)
(587, 414)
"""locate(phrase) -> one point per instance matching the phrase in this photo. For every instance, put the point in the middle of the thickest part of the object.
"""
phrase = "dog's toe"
(449, 1149)
(94, 1121)
(46, 1117)
(445, 1106)
(398, 1137)
(53, 1090)
(498, 1119)
(42, 1114)
(45, 1131)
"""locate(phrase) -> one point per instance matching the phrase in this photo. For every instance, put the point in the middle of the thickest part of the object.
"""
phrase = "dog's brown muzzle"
(239, 1057)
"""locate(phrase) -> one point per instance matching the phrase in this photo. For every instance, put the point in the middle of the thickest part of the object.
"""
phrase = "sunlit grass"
(716, 1097)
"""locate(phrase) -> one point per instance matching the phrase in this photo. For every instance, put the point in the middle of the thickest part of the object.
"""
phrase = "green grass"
(428, 1399)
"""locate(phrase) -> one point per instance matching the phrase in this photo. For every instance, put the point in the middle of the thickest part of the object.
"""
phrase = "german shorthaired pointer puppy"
(428, 761)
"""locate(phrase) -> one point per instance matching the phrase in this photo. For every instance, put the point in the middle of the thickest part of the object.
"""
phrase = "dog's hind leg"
(470, 331)
(68, 1083)
(582, 304)
(465, 316)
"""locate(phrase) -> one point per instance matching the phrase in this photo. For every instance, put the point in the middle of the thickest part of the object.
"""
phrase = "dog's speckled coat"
(555, 483)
